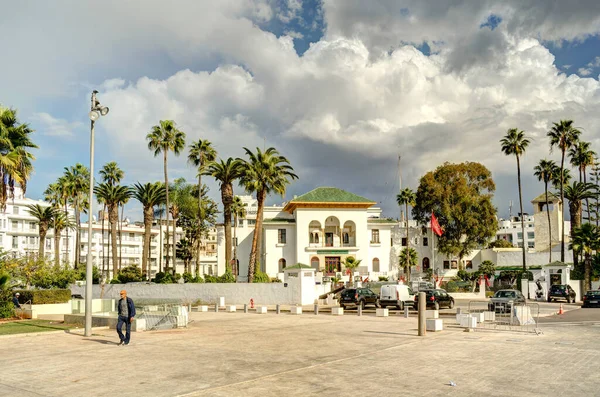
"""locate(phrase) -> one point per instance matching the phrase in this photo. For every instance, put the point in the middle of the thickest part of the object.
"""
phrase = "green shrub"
(41, 296)
(275, 280)
(130, 274)
(164, 278)
(95, 274)
(451, 286)
(7, 309)
(211, 279)
(114, 281)
(260, 277)
(227, 277)
(383, 278)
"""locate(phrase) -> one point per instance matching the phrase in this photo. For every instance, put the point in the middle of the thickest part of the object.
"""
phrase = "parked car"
(354, 297)
(504, 299)
(397, 295)
(435, 298)
(591, 299)
(562, 291)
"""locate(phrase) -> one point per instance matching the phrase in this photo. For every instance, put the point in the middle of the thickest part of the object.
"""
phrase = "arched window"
(281, 265)
(376, 265)
(346, 238)
(316, 238)
(314, 263)
(425, 263)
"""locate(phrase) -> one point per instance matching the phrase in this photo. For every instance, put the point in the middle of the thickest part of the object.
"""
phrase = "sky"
(341, 87)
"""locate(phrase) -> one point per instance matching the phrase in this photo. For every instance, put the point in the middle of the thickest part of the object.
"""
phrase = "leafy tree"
(582, 157)
(164, 138)
(44, 216)
(545, 171)
(586, 239)
(594, 207)
(226, 172)
(563, 135)
(515, 143)
(351, 263)
(263, 173)
(59, 223)
(487, 268)
(406, 197)
(576, 193)
(77, 181)
(407, 258)
(130, 274)
(96, 275)
(462, 196)
(184, 252)
(7, 309)
(500, 244)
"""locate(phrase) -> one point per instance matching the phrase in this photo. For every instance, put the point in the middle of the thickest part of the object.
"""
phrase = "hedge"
(41, 296)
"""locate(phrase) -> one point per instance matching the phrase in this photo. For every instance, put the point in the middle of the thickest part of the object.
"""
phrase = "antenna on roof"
(400, 183)
(510, 210)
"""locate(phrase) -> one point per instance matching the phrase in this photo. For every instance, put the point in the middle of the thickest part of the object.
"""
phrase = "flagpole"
(433, 257)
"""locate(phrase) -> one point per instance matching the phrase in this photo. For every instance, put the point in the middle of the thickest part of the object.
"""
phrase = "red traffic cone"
(561, 311)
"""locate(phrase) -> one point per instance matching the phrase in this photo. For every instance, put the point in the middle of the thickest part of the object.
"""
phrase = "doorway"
(332, 264)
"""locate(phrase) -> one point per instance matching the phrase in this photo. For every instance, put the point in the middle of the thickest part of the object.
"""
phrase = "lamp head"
(104, 110)
(94, 115)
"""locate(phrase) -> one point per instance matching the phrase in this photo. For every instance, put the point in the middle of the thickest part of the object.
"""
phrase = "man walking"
(126, 313)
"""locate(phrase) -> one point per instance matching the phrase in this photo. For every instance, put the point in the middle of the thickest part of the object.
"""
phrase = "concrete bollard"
(216, 307)
(458, 310)
(405, 311)
(422, 308)
(359, 310)
(316, 309)
(245, 308)
(189, 307)
(277, 309)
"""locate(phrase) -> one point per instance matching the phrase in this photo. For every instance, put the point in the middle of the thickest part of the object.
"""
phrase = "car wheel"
(343, 307)
(451, 305)
(436, 306)
(549, 299)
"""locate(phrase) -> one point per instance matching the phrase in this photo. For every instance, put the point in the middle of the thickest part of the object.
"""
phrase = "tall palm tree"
(407, 197)
(77, 178)
(263, 173)
(44, 216)
(408, 257)
(239, 211)
(160, 211)
(586, 239)
(64, 187)
(563, 135)
(545, 171)
(149, 195)
(515, 143)
(226, 172)
(15, 159)
(351, 263)
(111, 174)
(60, 223)
(112, 196)
(576, 193)
(164, 138)
(582, 156)
(200, 154)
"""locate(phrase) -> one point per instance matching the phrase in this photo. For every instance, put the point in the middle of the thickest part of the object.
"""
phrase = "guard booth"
(301, 279)
(555, 273)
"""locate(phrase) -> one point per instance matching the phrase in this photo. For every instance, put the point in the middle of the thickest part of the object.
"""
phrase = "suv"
(355, 297)
(435, 298)
(563, 291)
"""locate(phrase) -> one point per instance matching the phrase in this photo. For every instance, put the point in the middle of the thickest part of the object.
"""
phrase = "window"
(48, 244)
(14, 225)
(519, 235)
(346, 238)
(314, 263)
(469, 265)
(531, 244)
(376, 265)
(15, 242)
(375, 236)
(454, 265)
(425, 263)
(15, 210)
(446, 264)
(281, 265)
(425, 242)
(251, 222)
(404, 241)
(32, 225)
(281, 236)
(530, 235)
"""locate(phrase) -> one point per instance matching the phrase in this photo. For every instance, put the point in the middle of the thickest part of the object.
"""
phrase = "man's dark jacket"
(129, 305)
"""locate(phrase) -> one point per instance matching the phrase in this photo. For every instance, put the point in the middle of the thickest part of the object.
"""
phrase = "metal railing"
(509, 316)
(164, 316)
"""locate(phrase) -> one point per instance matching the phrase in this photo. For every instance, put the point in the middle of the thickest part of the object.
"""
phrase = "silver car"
(503, 300)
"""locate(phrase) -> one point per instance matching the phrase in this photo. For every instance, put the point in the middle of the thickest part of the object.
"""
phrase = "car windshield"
(505, 294)
(593, 293)
(348, 292)
(558, 287)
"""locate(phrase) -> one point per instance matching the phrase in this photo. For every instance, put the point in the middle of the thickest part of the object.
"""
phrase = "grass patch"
(30, 326)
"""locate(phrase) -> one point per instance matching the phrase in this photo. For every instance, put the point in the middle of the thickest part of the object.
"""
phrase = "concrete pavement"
(237, 354)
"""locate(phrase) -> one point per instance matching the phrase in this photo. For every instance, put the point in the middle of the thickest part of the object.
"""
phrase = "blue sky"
(340, 88)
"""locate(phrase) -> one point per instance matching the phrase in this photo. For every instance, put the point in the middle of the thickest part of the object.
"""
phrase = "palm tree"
(226, 172)
(576, 193)
(586, 239)
(112, 175)
(200, 154)
(239, 211)
(149, 195)
(77, 179)
(15, 160)
(112, 197)
(545, 171)
(160, 211)
(563, 135)
(263, 173)
(60, 222)
(514, 142)
(582, 156)
(44, 216)
(164, 138)
(407, 258)
(407, 197)
(350, 263)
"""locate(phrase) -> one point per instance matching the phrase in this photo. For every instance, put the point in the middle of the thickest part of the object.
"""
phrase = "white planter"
(479, 316)
(434, 324)
(468, 321)
(230, 309)
(203, 308)
(489, 316)
(432, 314)
(381, 313)
(337, 311)
(261, 310)
(296, 310)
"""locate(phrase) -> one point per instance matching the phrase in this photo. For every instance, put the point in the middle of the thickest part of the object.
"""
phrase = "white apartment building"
(510, 230)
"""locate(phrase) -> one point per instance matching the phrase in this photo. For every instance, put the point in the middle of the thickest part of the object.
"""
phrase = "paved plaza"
(237, 354)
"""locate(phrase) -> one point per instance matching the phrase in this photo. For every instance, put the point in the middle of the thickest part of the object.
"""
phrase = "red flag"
(435, 226)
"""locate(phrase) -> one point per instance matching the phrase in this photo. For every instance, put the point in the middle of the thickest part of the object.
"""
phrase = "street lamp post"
(96, 111)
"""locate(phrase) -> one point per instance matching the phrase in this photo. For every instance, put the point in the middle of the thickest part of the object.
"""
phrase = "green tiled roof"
(330, 195)
(299, 266)
(379, 220)
(279, 220)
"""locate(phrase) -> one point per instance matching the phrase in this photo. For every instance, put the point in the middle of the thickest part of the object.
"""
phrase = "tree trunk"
(167, 211)
(587, 275)
(104, 256)
(234, 269)
(174, 246)
(160, 248)
(121, 236)
(575, 214)
(199, 234)
(261, 196)
(113, 219)
(78, 235)
(562, 208)
(407, 250)
(227, 198)
(67, 216)
(549, 224)
(522, 216)
(587, 201)
(42, 242)
(57, 247)
(148, 215)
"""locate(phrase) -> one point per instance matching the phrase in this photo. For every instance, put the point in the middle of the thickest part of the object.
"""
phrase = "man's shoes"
(126, 343)
(121, 343)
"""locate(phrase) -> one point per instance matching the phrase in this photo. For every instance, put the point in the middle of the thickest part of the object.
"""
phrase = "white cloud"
(595, 63)
(48, 125)
(584, 71)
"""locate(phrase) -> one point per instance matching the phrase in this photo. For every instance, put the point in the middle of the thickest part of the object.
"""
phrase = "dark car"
(503, 300)
(435, 298)
(354, 297)
(591, 299)
(563, 291)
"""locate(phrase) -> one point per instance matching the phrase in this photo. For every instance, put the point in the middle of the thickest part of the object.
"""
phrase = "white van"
(397, 295)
